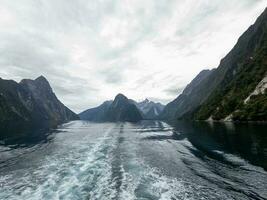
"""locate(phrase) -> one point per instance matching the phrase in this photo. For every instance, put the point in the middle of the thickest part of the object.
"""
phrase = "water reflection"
(25, 138)
(145, 160)
(248, 141)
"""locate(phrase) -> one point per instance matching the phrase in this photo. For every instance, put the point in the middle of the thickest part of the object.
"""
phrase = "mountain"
(31, 103)
(193, 95)
(230, 92)
(97, 114)
(240, 74)
(121, 109)
(149, 109)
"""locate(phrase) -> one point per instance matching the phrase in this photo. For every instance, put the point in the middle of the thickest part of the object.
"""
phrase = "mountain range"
(123, 109)
(31, 103)
(236, 90)
(149, 109)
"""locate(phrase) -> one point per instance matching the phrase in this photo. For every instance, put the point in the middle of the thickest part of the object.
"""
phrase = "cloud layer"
(90, 50)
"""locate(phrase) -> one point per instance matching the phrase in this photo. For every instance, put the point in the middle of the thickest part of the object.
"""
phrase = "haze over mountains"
(123, 109)
(149, 109)
(235, 91)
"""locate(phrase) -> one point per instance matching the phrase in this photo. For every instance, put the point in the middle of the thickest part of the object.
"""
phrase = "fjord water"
(146, 160)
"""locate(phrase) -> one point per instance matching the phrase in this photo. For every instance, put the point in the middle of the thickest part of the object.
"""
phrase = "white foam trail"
(140, 181)
(64, 177)
(81, 168)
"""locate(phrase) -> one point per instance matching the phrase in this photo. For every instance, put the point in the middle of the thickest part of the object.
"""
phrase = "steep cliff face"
(237, 77)
(260, 89)
(192, 97)
(31, 103)
(14, 104)
(48, 104)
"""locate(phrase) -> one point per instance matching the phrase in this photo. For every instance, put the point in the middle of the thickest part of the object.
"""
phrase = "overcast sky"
(90, 50)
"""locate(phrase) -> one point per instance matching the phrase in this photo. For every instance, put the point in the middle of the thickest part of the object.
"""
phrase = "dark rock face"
(220, 92)
(192, 96)
(122, 109)
(97, 114)
(31, 103)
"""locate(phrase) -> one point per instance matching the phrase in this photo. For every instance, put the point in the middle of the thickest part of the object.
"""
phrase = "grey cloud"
(29, 53)
(64, 41)
(147, 78)
(112, 75)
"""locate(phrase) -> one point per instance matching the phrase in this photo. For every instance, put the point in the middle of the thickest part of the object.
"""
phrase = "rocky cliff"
(31, 103)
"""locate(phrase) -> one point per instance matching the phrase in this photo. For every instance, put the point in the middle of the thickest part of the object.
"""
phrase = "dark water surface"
(147, 160)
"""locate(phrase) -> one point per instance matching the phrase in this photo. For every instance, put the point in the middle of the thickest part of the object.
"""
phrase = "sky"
(91, 50)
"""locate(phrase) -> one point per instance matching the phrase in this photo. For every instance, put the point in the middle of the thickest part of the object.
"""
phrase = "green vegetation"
(254, 110)
(238, 84)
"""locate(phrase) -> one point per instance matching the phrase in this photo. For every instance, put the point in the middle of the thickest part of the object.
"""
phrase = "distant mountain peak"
(121, 96)
(145, 101)
(41, 78)
(121, 109)
(39, 84)
(119, 99)
(149, 109)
